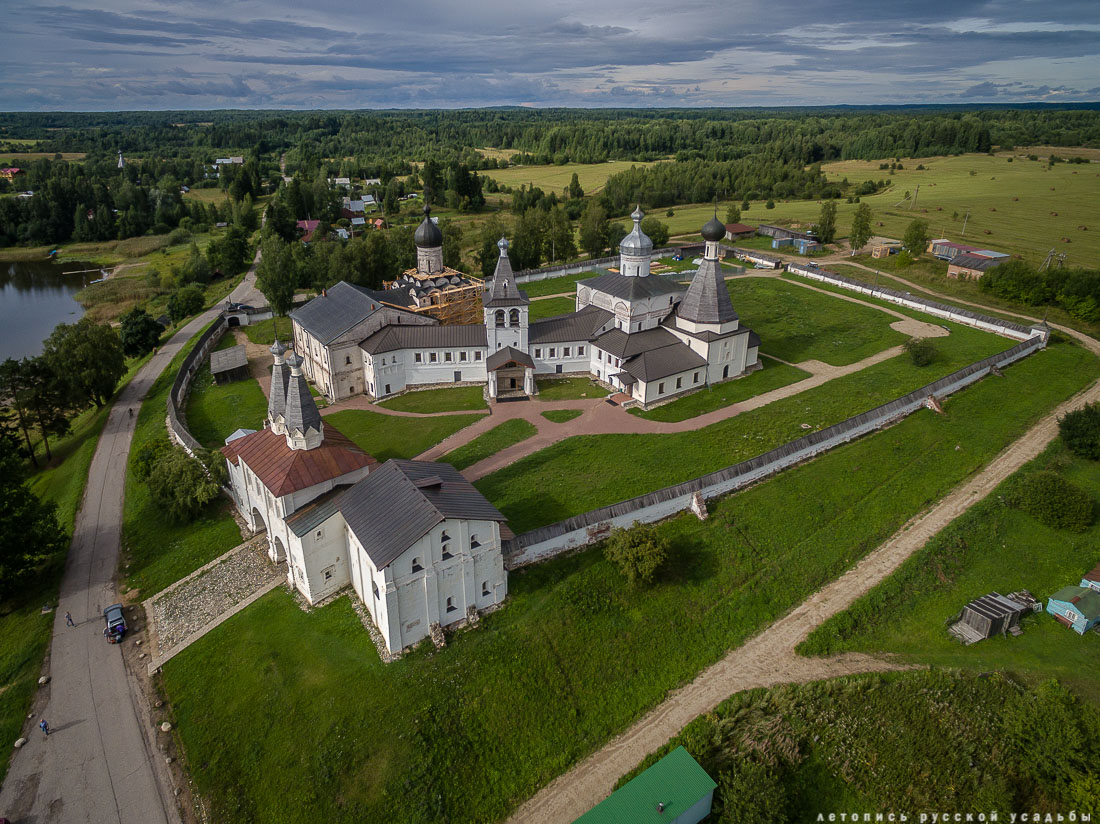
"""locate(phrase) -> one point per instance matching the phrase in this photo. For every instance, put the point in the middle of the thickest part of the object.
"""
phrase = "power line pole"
(964, 223)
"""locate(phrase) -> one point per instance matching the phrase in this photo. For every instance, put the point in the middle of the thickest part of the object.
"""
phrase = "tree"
(916, 237)
(29, 531)
(88, 360)
(657, 231)
(594, 230)
(229, 254)
(826, 222)
(34, 398)
(559, 243)
(921, 350)
(1080, 431)
(733, 214)
(525, 250)
(277, 275)
(574, 190)
(196, 269)
(185, 302)
(770, 204)
(638, 552)
(861, 227)
(139, 332)
(180, 485)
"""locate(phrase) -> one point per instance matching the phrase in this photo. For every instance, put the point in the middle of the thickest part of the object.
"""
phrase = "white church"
(418, 544)
(645, 336)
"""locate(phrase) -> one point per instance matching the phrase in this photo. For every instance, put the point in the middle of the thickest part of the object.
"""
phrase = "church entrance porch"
(511, 374)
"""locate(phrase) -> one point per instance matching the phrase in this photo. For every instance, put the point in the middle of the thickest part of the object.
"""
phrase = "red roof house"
(284, 470)
(308, 227)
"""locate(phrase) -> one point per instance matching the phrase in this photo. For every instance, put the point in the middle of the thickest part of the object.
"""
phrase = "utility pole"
(964, 223)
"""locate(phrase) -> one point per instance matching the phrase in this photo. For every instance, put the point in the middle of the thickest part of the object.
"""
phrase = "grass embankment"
(562, 415)
(214, 411)
(773, 376)
(910, 743)
(264, 332)
(390, 436)
(448, 399)
(156, 552)
(411, 746)
(498, 438)
(568, 389)
(589, 471)
(992, 547)
(550, 307)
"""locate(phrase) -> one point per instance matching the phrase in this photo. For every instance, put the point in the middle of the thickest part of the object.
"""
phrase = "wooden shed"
(229, 364)
(984, 617)
(675, 790)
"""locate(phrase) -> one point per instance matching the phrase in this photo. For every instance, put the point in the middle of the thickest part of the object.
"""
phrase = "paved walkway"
(101, 763)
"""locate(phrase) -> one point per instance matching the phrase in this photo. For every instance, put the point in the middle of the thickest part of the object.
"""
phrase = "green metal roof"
(677, 780)
(1088, 600)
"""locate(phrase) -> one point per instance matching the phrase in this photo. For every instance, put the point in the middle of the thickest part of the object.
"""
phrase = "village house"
(1078, 607)
(737, 231)
(972, 265)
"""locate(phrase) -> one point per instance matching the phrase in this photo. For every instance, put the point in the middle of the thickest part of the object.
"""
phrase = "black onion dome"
(714, 230)
(427, 234)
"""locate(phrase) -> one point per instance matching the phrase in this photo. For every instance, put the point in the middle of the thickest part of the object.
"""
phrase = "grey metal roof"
(427, 234)
(507, 355)
(637, 242)
(308, 518)
(502, 291)
(301, 410)
(624, 345)
(707, 299)
(388, 512)
(714, 229)
(633, 288)
(328, 316)
(575, 326)
(754, 340)
(660, 363)
(969, 261)
(223, 360)
(276, 398)
(390, 338)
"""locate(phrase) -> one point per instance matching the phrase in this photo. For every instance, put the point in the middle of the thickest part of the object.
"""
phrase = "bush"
(921, 350)
(751, 793)
(638, 552)
(1053, 501)
(180, 485)
(1080, 431)
(184, 302)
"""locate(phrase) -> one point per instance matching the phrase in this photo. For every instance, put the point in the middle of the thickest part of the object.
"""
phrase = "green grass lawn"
(214, 411)
(158, 552)
(568, 389)
(24, 636)
(561, 415)
(990, 548)
(589, 471)
(498, 438)
(550, 307)
(264, 331)
(797, 324)
(772, 376)
(448, 399)
(566, 284)
(389, 436)
(591, 176)
(64, 479)
(410, 747)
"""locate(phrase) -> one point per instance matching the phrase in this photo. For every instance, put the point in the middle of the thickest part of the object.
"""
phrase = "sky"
(198, 54)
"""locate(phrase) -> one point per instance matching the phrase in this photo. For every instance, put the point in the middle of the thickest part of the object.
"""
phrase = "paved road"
(100, 764)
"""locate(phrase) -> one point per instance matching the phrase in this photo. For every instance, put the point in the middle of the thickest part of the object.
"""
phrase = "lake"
(35, 296)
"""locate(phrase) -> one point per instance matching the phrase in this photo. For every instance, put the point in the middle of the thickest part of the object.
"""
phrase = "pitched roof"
(329, 315)
(390, 509)
(1084, 600)
(507, 355)
(677, 782)
(308, 518)
(632, 288)
(391, 338)
(624, 345)
(707, 299)
(222, 360)
(660, 363)
(582, 325)
(284, 470)
(971, 261)
(1092, 575)
(502, 291)
(300, 413)
(308, 227)
(738, 228)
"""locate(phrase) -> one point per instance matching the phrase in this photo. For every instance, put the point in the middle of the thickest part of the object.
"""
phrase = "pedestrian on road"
(42, 725)
(69, 619)
(131, 411)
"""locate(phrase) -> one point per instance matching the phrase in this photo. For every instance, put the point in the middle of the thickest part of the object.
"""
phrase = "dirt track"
(769, 659)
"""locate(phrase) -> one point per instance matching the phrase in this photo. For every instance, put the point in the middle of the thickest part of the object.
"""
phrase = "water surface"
(35, 296)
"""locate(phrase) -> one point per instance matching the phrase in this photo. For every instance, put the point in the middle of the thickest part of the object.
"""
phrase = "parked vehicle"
(116, 623)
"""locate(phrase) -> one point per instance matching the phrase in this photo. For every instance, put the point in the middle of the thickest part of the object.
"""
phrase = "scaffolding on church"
(452, 303)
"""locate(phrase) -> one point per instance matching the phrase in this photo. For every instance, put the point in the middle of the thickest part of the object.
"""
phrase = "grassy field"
(550, 307)
(156, 553)
(564, 285)
(588, 471)
(410, 747)
(562, 415)
(389, 436)
(264, 331)
(592, 176)
(214, 412)
(498, 438)
(990, 548)
(797, 324)
(772, 376)
(15, 158)
(449, 399)
(568, 389)
(909, 743)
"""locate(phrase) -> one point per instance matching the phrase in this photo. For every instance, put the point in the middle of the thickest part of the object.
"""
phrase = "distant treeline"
(1075, 290)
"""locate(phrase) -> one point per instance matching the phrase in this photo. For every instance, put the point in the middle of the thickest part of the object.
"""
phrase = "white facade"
(388, 373)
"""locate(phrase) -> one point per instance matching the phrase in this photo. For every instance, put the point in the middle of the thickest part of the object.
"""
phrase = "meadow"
(591, 176)
(215, 411)
(411, 746)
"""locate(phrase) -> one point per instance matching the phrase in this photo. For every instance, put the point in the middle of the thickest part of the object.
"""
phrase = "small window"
(451, 605)
(565, 351)
(538, 353)
(320, 534)
(462, 356)
(474, 542)
(679, 383)
(447, 552)
(374, 586)
(485, 588)
(347, 360)
(580, 351)
(444, 537)
(418, 358)
(446, 357)
(432, 357)
(477, 355)
(553, 352)
(327, 573)
(416, 565)
(661, 388)
(695, 378)
(387, 389)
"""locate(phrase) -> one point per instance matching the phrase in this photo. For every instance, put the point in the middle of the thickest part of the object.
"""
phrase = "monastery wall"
(181, 387)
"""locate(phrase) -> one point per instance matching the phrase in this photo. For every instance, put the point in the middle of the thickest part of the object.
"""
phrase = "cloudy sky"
(195, 54)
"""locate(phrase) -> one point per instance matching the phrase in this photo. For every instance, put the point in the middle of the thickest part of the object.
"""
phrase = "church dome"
(637, 242)
(428, 235)
(714, 230)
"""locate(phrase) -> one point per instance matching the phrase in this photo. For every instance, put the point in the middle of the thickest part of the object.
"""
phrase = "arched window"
(500, 317)
(474, 542)
(513, 317)
(447, 552)
(485, 588)
(451, 605)
(444, 537)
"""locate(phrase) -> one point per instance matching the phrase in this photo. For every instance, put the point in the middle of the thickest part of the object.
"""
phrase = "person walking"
(42, 725)
(69, 620)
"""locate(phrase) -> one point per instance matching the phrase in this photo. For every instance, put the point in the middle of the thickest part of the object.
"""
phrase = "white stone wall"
(548, 357)
(322, 555)
(652, 391)
(511, 334)
(422, 367)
